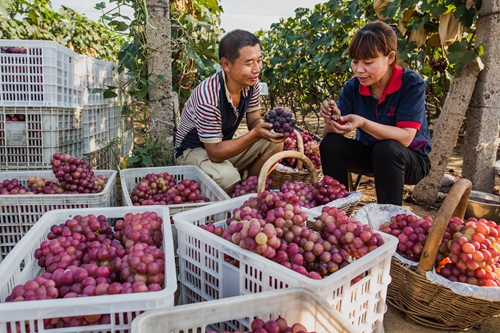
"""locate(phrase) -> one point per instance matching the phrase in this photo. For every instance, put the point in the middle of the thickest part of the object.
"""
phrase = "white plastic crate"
(18, 213)
(102, 159)
(100, 125)
(99, 74)
(296, 305)
(42, 76)
(205, 275)
(208, 187)
(29, 143)
(20, 266)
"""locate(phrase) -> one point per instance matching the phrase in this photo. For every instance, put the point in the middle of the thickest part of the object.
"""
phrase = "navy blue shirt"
(402, 104)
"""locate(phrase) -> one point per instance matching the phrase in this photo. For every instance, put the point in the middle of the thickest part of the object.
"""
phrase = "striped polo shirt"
(209, 115)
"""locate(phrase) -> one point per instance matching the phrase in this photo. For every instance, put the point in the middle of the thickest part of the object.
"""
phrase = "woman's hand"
(329, 111)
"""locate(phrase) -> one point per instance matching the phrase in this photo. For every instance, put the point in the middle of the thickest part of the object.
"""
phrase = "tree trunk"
(162, 103)
(483, 118)
(446, 132)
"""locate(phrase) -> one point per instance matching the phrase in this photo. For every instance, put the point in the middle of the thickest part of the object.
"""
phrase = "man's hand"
(263, 130)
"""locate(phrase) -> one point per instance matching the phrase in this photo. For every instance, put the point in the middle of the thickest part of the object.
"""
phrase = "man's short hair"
(233, 41)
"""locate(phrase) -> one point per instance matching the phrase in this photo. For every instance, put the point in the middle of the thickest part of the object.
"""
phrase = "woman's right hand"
(330, 111)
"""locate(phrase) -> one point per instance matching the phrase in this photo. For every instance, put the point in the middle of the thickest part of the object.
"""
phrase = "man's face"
(245, 70)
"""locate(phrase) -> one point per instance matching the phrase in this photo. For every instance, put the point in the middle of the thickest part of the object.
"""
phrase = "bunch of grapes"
(40, 288)
(311, 148)
(439, 65)
(474, 251)
(90, 226)
(15, 117)
(186, 80)
(302, 190)
(282, 121)
(14, 49)
(329, 189)
(290, 144)
(36, 184)
(411, 231)
(12, 186)
(250, 185)
(61, 252)
(143, 228)
(73, 174)
(142, 263)
(278, 325)
(100, 181)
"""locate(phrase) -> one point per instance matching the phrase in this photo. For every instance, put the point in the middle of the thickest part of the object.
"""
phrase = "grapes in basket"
(86, 257)
(282, 120)
(163, 189)
(311, 149)
(273, 225)
(469, 251)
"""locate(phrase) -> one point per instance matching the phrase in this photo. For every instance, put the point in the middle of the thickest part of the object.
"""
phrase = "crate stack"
(41, 100)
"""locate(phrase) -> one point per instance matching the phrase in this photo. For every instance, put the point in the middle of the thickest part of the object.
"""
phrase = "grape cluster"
(186, 80)
(14, 49)
(12, 186)
(320, 193)
(81, 259)
(278, 325)
(273, 225)
(250, 185)
(411, 231)
(439, 65)
(144, 228)
(282, 121)
(15, 117)
(162, 189)
(311, 148)
(73, 174)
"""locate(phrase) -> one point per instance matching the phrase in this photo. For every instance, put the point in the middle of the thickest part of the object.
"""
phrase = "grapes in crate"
(278, 325)
(273, 225)
(12, 186)
(81, 258)
(282, 120)
(73, 174)
(163, 189)
(250, 185)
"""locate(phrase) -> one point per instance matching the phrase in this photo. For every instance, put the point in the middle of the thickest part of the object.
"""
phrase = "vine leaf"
(460, 55)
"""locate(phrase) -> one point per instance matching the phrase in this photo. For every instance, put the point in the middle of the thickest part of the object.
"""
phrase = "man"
(215, 109)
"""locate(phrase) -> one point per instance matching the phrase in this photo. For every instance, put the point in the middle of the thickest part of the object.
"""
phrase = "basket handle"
(300, 147)
(268, 167)
(454, 204)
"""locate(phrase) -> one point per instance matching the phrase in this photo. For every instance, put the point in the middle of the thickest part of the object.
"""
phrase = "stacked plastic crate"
(41, 99)
(101, 116)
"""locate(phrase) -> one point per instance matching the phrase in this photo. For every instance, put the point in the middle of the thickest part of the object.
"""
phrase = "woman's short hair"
(232, 42)
(374, 37)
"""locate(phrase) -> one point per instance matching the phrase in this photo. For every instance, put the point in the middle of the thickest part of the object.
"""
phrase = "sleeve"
(411, 109)
(345, 103)
(254, 104)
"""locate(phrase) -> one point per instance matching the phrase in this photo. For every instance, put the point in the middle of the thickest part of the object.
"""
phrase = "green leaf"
(133, 159)
(460, 56)
(147, 161)
(109, 94)
(162, 78)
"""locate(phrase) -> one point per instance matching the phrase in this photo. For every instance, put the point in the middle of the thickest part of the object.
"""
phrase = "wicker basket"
(279, 177)
(432, 304)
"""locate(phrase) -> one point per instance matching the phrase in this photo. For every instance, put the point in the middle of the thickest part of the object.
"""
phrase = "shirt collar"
(394, 84)
(228, 94)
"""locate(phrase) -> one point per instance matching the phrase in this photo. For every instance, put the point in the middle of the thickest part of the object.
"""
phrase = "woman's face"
(372, 71)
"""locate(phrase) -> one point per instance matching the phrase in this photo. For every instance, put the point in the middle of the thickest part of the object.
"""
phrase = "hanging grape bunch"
(282, 121)
(439, 65)
(186, 80)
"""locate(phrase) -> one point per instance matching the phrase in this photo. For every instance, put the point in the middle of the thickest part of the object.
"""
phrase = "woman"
(386, 105)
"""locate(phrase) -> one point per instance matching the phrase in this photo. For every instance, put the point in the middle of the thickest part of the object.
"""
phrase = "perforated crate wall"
(101, 124)
(42, 74)
(38, 133)
(103, 159)
(99, 74)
